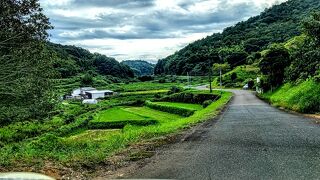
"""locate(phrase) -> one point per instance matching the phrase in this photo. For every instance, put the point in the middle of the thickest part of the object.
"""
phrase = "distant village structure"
(89, 95)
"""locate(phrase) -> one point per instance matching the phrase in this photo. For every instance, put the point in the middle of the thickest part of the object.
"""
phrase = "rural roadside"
(139, 154)
(251, 139)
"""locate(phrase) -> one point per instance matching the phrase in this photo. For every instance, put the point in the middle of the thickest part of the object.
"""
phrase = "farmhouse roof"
(99, 91)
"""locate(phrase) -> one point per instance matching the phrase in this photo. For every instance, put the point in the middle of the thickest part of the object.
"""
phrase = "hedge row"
(120, 124)
(81, 122)
(187, 97)
(170, 109)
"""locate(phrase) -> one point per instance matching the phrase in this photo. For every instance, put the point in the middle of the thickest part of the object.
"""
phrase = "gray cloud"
(114, 3)
(142, 20)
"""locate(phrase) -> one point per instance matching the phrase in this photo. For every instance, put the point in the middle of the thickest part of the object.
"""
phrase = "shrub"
(69, 119)
(170, 109)
(77, 124)
(23, 130)
(86, 80)
(120, 124)
(174, 89)
(162, 81)
(146, 78)
(233, 76)
(157, 96)
(187, 97)
(47, 142)
(250, 84)
(206, 103)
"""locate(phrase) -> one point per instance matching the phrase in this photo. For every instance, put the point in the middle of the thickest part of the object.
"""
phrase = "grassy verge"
(304, 97)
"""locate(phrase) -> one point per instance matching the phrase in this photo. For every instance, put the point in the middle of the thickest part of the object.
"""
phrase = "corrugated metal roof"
(99, 91)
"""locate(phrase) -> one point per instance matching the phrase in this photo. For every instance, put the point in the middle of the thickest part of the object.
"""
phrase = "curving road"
(251, 140)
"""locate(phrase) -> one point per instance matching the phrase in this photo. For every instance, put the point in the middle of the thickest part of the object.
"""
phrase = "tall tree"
(311, 27)
(25, 63)
(273, 64)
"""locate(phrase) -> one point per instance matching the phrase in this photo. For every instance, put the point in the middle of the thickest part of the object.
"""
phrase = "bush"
(86, 80)
(120, 124)
(162, 81)
(146, 78)
(79, 123)
(187, 97)
(23, 130)
(69, 119)
(233, 76)
(48, 142)
(170, 109)
(250, 84)
(206, 103)
(157, 96)
(175, 89)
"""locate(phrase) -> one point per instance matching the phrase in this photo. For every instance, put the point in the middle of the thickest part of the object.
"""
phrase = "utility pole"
(221, 60)
(190, 76)
(210, 75)
(188, 79)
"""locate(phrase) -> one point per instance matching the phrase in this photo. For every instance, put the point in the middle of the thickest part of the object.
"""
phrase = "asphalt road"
(251, 140)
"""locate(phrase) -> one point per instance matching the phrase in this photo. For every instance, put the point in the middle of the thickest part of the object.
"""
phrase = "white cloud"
(150, 29)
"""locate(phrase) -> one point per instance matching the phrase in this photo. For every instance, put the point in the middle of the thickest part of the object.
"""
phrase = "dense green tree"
(233, 76)
(234, 55)
(223, 67)
(25, 89)
(109, 66)
(141, 68)
(273, 64)
(305, 50)
(311, 27)
(86, 80)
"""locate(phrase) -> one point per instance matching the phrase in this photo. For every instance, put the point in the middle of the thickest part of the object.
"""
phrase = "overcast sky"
(143, 29)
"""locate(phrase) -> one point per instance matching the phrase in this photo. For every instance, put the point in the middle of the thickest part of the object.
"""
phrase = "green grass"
(116, 114)
(153, 114)
(304, 97)
(93, 135)
(118, 118)
(181, 105)
(170, 109)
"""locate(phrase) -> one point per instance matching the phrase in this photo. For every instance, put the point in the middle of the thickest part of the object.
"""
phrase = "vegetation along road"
(250, 140)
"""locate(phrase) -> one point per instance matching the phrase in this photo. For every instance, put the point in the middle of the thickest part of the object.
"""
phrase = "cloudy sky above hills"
(143, 29)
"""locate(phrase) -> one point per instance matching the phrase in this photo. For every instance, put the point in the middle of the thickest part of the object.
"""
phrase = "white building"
(81, 91)
(90, 93)
(95, 94)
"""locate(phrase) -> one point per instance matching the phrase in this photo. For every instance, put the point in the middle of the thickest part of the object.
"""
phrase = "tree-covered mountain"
(140, 67)
(238, 44)
(72, 60)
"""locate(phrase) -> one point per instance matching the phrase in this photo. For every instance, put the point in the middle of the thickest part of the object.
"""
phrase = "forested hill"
(238, 43)
(71, 61)
(140, 67)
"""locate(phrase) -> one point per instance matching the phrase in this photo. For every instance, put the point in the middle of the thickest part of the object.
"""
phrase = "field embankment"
(303, 97)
